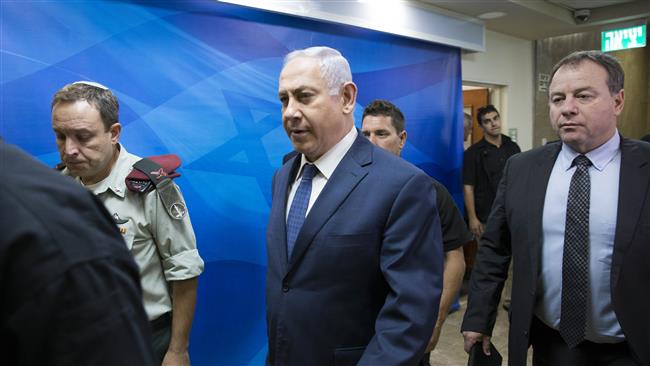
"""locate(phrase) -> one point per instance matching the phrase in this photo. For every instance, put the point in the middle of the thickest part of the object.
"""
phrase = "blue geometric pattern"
(199, 79)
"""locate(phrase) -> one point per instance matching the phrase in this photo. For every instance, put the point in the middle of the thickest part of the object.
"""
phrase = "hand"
(173, 358)
(473, 337)
(476, 227)
(434, 339)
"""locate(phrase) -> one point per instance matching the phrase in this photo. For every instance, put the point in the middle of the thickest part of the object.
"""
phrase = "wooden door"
(473, 100)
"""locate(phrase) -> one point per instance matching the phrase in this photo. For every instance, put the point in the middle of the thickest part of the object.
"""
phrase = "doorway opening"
(477, 95)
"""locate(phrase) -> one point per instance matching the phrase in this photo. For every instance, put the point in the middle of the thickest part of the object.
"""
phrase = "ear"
(402, 139)
(115, 131)
(348, 97)
(619, 102)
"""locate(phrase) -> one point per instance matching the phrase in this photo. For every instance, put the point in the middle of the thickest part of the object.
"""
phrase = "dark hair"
(485, 110)
(98, 96)
(380, 107)
(615, 73)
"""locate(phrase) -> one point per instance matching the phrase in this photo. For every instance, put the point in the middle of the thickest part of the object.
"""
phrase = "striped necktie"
(298, 209)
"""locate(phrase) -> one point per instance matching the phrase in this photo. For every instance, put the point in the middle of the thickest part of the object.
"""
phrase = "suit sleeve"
(491, 267)
(411, 261)
(75, 296)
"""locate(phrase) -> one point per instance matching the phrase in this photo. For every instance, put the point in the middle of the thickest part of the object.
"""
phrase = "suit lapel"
(539, 176)
(350, 171)
(633, 185)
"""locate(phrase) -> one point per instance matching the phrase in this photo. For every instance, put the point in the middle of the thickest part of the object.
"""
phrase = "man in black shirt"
(69, 288)
(383, 124)
(482, 168)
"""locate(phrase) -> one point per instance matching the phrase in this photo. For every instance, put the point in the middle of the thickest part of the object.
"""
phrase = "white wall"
(507, 61)
(409, 18)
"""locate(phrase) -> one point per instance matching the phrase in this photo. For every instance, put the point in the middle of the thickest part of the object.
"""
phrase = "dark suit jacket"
(364, 281)
(69, 289)
(515, 229)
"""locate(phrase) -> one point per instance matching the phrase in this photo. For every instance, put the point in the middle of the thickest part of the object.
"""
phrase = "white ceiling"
(538, 19)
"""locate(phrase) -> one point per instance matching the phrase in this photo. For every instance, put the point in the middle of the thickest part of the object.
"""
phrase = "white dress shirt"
(326, 165)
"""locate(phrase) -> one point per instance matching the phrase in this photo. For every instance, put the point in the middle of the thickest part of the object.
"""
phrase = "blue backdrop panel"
(199, 79)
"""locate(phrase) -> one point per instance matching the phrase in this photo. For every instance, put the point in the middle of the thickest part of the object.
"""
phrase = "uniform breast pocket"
(127, 229)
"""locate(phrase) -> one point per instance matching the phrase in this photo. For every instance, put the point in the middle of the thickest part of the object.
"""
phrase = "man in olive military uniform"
(154, 222)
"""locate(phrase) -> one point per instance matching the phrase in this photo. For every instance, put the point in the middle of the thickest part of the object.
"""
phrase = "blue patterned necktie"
(575, 259)
(299, 205)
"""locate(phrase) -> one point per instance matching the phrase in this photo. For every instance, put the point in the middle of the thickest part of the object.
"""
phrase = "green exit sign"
(622, 39)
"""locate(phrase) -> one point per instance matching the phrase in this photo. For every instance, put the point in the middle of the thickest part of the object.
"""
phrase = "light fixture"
(492, 15)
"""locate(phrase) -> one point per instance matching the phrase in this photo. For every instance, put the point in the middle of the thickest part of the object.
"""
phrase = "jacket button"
(285, 287)
(525, 333)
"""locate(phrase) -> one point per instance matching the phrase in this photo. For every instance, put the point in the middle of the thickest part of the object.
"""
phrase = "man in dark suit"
(354, 242)
(573, 215)
(70, 290)
(384, 125)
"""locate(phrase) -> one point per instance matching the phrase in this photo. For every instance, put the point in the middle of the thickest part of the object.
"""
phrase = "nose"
(291, 111)
(70, 147)
(569, 107)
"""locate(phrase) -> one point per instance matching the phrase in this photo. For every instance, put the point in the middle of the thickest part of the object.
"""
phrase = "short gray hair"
(334, 68)
(615, 73)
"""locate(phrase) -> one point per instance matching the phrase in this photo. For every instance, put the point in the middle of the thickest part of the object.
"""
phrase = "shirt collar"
(115, 181)
(327, 163)
(599, 157)
(486, 143)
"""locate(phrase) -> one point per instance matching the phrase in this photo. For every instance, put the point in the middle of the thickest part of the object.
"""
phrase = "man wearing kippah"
(155, 226)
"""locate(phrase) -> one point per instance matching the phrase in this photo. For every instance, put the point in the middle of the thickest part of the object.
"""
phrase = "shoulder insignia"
(157, 172)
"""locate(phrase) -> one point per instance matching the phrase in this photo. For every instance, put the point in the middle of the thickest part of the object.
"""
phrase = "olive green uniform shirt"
(164, 248)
